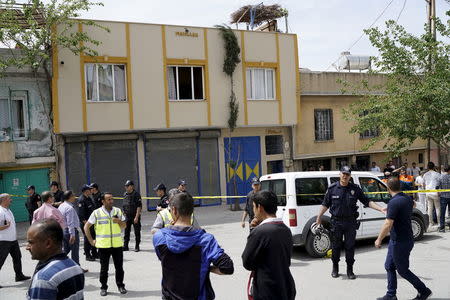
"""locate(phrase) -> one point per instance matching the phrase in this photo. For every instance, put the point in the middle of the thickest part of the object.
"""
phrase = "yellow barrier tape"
(227, 197)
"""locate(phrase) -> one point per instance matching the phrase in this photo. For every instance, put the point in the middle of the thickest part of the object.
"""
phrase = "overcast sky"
(325, 28)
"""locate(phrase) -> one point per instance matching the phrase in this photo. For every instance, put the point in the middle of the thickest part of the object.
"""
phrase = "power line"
(401, 11)
(361, 36)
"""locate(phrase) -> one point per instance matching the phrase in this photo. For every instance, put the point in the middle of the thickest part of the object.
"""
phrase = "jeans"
(445, 202)
(343, 229)
(74, 248)
(117, 256)
(397, 259)
(12, 248)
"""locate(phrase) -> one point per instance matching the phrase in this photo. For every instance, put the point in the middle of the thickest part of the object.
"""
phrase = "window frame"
(192, 82)
(330, 137)
(318, 199)
(113, 82)
(269, 136)
(252, 84)
(15, 96)
(382, 197)
(281, 199)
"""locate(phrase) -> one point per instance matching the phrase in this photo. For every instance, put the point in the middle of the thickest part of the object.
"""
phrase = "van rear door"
(278, 186)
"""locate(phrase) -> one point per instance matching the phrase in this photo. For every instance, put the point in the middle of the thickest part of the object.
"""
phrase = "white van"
(298, 211)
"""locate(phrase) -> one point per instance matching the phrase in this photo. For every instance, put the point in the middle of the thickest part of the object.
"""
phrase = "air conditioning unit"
(7, 152)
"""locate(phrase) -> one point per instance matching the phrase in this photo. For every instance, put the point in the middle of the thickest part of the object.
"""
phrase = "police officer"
(132, 207)
(160, 190)
(180, 189)
(33, 201)
(341, 199)
(256, 186)
(96, 195)
(57, 193)
(86, 206)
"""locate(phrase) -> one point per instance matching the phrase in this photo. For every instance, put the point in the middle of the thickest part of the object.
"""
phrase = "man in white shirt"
(8, 238)
(375, 168)
(431, 181)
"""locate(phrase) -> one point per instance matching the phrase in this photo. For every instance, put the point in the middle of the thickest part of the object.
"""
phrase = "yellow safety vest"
(107, 233)
(168, 218)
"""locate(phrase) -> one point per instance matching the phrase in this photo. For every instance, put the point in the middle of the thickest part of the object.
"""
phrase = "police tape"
(281, 195)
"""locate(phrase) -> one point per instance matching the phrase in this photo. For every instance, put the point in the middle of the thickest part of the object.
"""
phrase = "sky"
(325, 28)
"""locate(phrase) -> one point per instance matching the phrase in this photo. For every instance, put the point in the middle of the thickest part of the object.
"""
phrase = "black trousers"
(89, 250)
(12, 248)
(137, 230)
(343, 234)
(117, 256)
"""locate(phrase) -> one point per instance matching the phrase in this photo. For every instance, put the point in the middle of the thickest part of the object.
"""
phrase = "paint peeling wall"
(38, 141)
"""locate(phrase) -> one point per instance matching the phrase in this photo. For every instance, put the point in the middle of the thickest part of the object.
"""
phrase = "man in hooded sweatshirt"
(188, 255)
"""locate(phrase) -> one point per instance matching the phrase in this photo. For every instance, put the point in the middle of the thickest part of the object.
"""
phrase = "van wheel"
(318, 245)
(418, 227)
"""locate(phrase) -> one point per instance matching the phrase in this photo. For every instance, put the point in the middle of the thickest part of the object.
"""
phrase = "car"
(300, 196)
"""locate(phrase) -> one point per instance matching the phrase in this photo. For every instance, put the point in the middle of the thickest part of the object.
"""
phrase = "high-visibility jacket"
(167, 217)
(107, 233)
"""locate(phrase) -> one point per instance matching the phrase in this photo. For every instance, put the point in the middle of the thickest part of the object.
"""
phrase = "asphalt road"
(430, 260)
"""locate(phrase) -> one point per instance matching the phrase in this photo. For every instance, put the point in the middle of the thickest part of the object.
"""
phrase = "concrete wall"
(146, 49)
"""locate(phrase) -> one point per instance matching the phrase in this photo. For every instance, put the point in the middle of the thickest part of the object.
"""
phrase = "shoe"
(442, 230)
(335, 272)
(103, 292)
(122, 290)
(85, 270)
(125, 248)
(423, 296)
(387, 297)
(90, 258)
(137, 249)
(22, 278)
(350, 273)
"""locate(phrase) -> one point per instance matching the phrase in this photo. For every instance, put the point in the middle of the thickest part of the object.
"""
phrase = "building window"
(371, 133)
(106, 82)
(185, 83)
(274, 144)
(14, 117)
(420, 158)
(260, 84)
(323, 124)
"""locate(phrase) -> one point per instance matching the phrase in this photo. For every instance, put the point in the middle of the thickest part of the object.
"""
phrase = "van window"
(278, 186)
(336, 179)
(315, 186)
(372, 185)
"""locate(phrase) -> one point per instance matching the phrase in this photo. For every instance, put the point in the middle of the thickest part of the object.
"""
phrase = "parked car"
(300, 195)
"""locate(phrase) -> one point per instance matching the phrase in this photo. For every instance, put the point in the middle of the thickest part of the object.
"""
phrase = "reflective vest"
(168, 218)
(107, 233)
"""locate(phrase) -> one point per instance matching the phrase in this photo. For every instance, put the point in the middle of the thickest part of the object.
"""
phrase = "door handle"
(284, 209)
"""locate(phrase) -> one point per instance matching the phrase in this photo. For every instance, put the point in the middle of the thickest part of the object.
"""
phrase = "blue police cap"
(94, 185)
(31, 187)
(85, 187)
(255, 180)
(160, 186)
(129, 182)
(346, 170)
(182, 182)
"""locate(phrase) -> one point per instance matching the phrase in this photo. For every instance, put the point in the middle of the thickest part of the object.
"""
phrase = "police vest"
(168, 218)
(107, 233)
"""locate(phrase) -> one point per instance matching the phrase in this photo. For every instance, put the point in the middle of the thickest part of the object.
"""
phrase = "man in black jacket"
(57, 193)
(33, 202)
(86, 206)
(268, 252)
(96, 195)
(132, 207)
(160, 190)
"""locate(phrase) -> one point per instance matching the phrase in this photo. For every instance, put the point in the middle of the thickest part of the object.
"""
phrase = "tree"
(414, 101)
(38, 29)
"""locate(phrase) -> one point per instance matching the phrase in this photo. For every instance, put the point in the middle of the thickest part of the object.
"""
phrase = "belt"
(346, 218)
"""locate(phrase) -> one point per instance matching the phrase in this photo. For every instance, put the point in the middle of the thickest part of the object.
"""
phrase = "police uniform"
(85, 208)
(342, 202)
(131, 202)
(164, 200)
(32, 203)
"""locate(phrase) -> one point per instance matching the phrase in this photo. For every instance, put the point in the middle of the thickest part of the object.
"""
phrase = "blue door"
(242, 163)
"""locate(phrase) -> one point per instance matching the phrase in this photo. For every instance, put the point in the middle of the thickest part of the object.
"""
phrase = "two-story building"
(153, 107)
(322, 136)
(26, 149)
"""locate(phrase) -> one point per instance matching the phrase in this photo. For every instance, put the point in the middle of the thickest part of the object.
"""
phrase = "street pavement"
(430, 260)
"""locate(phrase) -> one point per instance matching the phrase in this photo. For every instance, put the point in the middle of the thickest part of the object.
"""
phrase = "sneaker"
(137, 249)
(424, 296)
(122, 290)
(22, 278)
(90, 258)
(387, 297)
(442, 230)
(103, 292)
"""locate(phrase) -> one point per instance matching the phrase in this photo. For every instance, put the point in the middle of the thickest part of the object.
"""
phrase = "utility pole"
(431, 15)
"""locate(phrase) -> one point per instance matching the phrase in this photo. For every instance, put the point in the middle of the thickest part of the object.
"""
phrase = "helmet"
(316, 229)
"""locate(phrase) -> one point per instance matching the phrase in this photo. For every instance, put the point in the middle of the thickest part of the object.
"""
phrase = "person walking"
(188, 255)
(56, 276)
(108, 222)
(431, 181)
(57, 193)
(96, 195)
(71, 241)
(33, 202)
(48, 211)
(248, 211)
(401, 242)
(85, 208)
(268, 251)
(160, 190)
(132, 208)
(8, 238)
(341, 198)
(444, 184)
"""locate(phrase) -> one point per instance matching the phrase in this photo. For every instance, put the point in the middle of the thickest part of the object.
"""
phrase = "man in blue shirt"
(398, 223)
